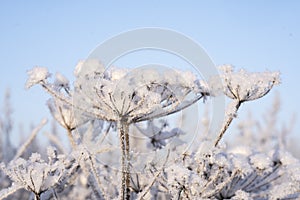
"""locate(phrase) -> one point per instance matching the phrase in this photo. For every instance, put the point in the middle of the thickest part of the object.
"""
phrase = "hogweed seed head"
(36, 75)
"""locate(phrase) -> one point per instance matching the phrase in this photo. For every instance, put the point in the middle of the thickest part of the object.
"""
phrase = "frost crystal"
(261, 161)
(37, 75)
(240, 194)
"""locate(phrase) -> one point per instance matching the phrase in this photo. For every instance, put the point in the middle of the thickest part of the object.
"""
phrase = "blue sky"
(255, 35)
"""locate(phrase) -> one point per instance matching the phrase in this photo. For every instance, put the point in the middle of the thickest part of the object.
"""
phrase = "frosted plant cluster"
(37, 75)
(246, 86)
(133, 95)
(109, 104)
(243, 86)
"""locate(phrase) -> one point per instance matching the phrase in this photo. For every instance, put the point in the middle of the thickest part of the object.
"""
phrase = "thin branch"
(53, 138)
(154, 179)
(227, 123)
(68, 102)
(165, 112)
(8, 191)
(30, 139)
(69, 131)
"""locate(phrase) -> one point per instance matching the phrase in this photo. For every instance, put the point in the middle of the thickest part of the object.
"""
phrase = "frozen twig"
(8, 191)
(30, 139)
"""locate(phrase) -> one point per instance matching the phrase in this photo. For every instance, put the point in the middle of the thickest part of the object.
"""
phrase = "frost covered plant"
(231, 175)
(158, 135)
(64, 115)
(113, 99)
(37, 75)
(59, 106)
(125, 97)
(242, 86)
(38, 176)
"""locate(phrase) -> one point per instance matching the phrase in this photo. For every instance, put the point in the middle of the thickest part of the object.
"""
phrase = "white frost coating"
(241, 150)
(90, 66)
(36, 75)
(38, 176)
(187, 78)
(63, 114)
(78, 68)
(240, 194)
(238, 172)
(284, 157)
(117, 73)
(221, 160)
(61, 81)
(241, 163)
(261, 161)
(138, 94)
(246, 86)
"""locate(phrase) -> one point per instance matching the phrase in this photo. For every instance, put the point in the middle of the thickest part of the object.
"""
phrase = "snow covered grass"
(107, 103)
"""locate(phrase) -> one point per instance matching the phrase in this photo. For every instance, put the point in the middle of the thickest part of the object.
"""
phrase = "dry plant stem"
(127, 160)
(123, 131)
(37, 197)
(71, 139)
(54, 139)
(227, 123)
(30, 139)
(8, 191)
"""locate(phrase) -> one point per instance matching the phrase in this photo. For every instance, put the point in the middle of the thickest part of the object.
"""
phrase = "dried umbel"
(38, 176)
(246, 86)
(242, 86)
(122, 96)
(128, 96)
(134, 95)
(220, 174)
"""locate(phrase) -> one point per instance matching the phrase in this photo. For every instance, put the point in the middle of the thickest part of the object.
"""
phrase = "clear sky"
(255, 35)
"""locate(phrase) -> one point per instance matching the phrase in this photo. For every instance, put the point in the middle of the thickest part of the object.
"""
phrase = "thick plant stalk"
(123, 131)
(37, 196)
(127, 147)
(228, 121)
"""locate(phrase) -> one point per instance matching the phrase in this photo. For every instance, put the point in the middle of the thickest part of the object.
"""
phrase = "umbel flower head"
(133, 95)
(242, 86)
(62, 113)
(247, 86)
(36, 76)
